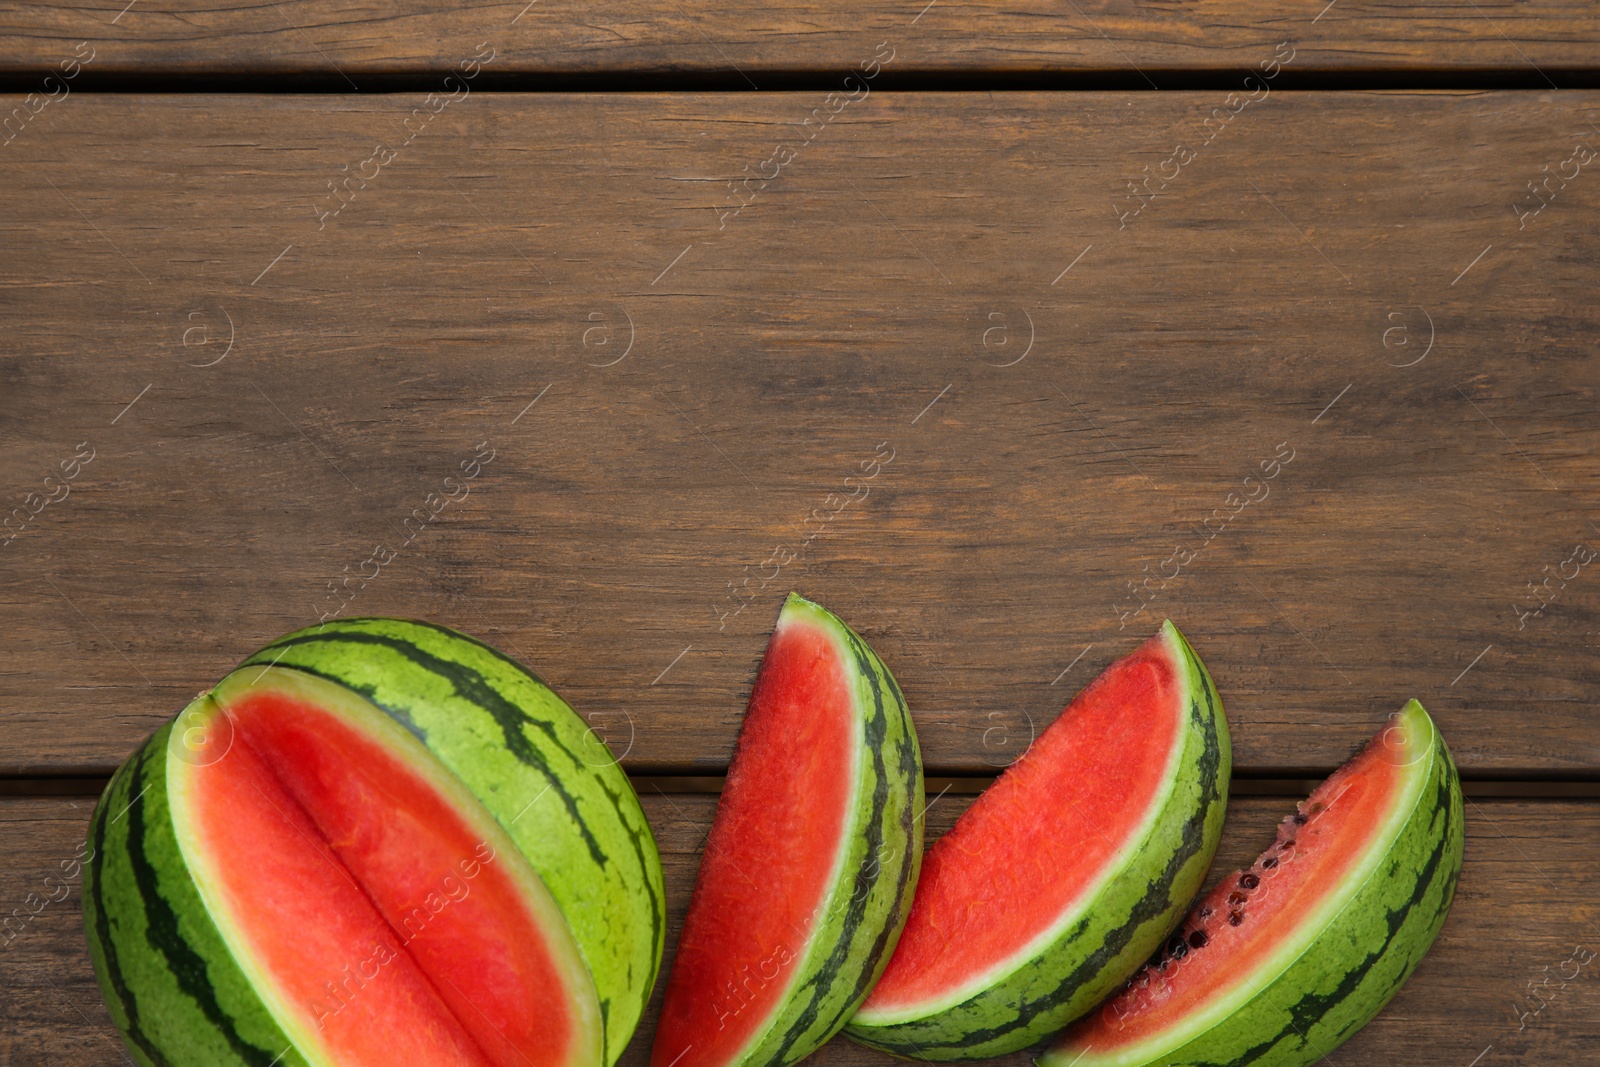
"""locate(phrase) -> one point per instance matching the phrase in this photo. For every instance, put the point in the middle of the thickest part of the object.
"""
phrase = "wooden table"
(275, 270)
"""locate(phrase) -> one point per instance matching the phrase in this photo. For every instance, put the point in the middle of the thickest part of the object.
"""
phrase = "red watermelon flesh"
(1248, 918)
(771, 856)
(1039, 839)
(382, 915)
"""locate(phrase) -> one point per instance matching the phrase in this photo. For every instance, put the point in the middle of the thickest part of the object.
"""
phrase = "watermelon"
(1067, 872)
(808, 869)
(286, 875)
(535, 764)
(1279, 964)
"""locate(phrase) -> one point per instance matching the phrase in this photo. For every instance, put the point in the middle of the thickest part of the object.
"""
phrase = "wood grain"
(879, 296)
(1524, 903)
(354, 43)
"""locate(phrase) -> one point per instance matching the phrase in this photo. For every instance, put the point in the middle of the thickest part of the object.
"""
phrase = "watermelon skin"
(1358, 962)
(1131, 917)
(537, 767)
(861, 916)
(149, 932)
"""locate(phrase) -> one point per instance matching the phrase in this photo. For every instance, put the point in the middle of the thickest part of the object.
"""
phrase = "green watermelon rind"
(1356, 964)
(866, 908)
(171, 984)
(1117, 930)
(538, 768)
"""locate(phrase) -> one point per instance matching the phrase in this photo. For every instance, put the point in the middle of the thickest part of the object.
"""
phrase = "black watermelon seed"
(1198, 939)
(1236, 897)
(1235, 918)
(1249, 881)
(1206, 913)
(1270, 862)
(1301, 818)
(1177, 948)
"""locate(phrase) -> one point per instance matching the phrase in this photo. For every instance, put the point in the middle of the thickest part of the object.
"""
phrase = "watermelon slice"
(1279, 964)
(1067, 872)
(808, 869)
(309, 885)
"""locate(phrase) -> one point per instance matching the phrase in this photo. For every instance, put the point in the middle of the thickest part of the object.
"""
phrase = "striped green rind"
(866, 908)
(1358, 961)
(1115, 932)
(171, 985)
(538, 768)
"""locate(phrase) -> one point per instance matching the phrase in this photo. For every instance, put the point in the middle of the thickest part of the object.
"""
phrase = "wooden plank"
(1523, 908)
(357, 44)
(684, 404)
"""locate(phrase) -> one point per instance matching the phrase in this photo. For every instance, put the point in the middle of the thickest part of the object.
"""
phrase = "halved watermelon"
(538, 769)
(1067, 872)
(307, 884)
(1279, 964)
(809, 866)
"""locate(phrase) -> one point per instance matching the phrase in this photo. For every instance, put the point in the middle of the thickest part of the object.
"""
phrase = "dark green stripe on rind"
(1129, 919)
(862, 917)
(121, 1003)
(537, 767)
(1362, 958)
(172, 986)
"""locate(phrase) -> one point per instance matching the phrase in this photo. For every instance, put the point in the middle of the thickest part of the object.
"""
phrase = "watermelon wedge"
(538, 769)
(1067, 872)
(285, 875)
(1279, 964)
(808, 869)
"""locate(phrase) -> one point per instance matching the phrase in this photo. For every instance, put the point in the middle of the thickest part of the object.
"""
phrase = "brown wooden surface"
(344, 41)
(1525, 903)
(862, 298)
(1067, 397)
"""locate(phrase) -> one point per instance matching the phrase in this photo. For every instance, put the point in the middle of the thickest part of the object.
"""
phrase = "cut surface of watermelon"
(1280, 963)
(376, 909)
(807, 870)
(1067, 871)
